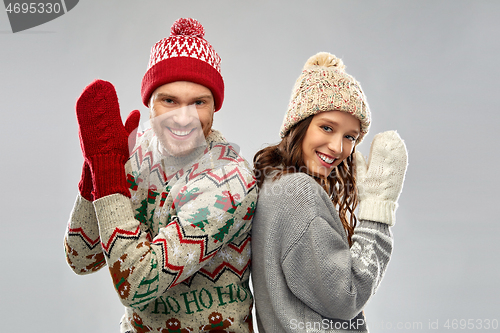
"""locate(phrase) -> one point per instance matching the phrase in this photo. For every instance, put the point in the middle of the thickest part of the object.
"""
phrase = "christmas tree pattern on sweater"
(179, 249)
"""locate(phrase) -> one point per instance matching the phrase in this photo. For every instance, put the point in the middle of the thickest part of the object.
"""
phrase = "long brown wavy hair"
(286, 157)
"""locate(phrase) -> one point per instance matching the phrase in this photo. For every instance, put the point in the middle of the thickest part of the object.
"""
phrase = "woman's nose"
(335, 145)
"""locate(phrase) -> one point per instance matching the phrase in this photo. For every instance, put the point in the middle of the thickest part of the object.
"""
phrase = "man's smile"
(181, 133)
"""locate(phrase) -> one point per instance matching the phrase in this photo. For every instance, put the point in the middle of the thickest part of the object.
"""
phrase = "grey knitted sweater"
(305, 276)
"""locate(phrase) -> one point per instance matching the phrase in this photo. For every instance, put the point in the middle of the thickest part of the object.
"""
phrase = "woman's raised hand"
(380, 181)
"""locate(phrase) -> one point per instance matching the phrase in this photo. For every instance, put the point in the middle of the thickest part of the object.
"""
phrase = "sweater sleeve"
(208, 212)
(81, 241)
(323, 272)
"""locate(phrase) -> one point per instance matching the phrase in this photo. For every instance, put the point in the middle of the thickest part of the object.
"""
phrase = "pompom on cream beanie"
(325, 86)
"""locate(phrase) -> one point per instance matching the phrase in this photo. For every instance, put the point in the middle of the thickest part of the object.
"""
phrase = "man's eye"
(168, 100)
(199, 103)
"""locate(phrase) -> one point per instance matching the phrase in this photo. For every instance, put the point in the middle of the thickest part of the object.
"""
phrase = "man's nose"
(184, 116)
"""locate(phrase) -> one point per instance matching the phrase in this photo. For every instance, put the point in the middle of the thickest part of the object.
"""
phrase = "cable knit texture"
(103, 137)
(380, 181)
(324, 86)
(85, 185)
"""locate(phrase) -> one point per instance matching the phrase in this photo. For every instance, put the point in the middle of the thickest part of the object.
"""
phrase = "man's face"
(181, 115)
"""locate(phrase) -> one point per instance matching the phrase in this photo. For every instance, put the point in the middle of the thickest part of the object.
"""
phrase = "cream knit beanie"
(325, 86)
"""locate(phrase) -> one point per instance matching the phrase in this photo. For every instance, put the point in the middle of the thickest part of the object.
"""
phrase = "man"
(172, 221)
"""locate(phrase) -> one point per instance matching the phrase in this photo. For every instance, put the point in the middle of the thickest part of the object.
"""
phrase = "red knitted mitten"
(104, 138)
(85, 185)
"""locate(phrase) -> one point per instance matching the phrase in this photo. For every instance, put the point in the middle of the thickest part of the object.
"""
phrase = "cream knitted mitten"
(380, 181)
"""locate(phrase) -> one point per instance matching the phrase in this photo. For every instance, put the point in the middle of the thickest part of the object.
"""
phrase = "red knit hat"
(184, 56)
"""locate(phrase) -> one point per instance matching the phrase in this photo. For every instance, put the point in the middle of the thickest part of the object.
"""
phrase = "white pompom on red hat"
(184, 56)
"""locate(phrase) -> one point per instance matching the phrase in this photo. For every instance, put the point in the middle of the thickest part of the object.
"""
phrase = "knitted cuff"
(378, 211)
(114, 211)
(108, 174)
(85, 185)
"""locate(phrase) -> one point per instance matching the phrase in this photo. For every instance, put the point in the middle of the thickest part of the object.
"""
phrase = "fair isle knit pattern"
(81, 242)
(184, 56)
(179, 250)
(186, 40)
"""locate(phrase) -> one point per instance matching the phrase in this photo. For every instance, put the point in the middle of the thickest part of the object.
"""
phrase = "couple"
(171, 210)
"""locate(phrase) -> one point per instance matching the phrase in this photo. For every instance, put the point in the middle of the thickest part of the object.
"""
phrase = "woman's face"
(330, 139)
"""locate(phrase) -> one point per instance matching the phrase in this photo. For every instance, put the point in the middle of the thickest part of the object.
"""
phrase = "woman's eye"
(326, 128)
(351, 138)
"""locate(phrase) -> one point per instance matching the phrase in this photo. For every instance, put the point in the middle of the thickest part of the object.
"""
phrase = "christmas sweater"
(306, 278)
(178, 250)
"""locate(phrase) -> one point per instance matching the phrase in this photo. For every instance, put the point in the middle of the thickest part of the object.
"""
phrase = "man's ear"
(149, 106)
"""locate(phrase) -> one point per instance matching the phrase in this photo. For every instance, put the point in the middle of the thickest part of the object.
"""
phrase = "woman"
(315, 265)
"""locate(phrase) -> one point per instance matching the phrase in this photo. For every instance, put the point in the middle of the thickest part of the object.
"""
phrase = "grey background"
(429, 69)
